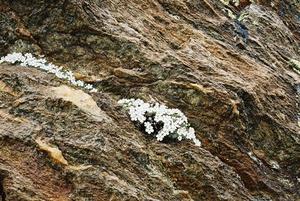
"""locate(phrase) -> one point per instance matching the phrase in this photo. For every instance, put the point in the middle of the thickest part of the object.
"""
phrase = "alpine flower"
(159, 120)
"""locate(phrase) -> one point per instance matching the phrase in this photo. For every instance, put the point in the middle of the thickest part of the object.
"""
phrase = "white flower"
(148, 127)
(197, 142)
(30, 61)
(174, 122)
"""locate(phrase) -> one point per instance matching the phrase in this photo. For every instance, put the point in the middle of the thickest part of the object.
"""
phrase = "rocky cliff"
(225, 64)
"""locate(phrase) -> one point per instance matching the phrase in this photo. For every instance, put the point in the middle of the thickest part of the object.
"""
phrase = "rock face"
(225, 64)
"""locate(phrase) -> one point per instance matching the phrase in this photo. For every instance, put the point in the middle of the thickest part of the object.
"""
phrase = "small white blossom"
(197, 142)
(175, 123)
(148, 127)
(30, 61)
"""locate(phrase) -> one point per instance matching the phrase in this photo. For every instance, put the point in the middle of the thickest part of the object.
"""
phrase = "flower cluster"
(159, 120)
(30, 61)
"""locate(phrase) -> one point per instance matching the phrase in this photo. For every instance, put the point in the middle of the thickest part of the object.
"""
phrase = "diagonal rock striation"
(225, 64)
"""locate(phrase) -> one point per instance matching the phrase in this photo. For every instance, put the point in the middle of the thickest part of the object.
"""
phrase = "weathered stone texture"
(231, 77)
